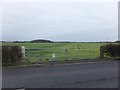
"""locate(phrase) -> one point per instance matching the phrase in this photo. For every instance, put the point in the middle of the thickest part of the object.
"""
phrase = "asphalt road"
(87, 75)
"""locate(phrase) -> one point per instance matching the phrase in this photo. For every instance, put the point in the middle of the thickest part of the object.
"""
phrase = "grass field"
(62, 51)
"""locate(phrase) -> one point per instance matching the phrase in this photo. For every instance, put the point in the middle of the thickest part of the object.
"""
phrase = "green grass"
(86, 51)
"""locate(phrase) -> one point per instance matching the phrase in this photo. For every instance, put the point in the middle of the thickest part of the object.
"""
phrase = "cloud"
(26, 21)
(58, 1)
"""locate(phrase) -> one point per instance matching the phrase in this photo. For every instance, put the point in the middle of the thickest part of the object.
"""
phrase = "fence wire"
(42, 54)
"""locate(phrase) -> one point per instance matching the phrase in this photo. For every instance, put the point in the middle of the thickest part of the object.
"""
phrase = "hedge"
(11, 54)
(111, 50)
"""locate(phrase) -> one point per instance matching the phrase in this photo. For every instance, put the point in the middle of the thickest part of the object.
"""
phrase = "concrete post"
(23, 52)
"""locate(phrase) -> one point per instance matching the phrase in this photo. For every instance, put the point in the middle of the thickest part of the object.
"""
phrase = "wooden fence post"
(101, 52)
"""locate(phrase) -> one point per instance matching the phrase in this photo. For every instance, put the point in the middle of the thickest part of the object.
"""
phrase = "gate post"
(23, 52)
(101, 52)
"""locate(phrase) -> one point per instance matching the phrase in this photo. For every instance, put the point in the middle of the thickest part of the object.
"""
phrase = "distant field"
(62, 51)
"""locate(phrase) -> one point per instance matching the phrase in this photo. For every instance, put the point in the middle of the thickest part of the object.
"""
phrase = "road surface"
(85, 75)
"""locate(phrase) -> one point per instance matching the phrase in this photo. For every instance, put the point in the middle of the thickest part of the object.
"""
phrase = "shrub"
(11, 54)
(112, 50)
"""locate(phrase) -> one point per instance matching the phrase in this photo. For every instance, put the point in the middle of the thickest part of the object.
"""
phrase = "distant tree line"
(49, 41)
(117, 41)
(32, 41)
(41, 41)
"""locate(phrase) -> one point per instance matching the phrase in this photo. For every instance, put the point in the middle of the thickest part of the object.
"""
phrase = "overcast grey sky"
(60, 21)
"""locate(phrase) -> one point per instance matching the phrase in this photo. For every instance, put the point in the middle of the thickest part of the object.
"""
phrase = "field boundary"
(54, 63)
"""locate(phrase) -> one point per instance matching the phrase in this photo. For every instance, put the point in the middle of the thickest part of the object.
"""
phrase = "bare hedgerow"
(112, 50)
(11, 54)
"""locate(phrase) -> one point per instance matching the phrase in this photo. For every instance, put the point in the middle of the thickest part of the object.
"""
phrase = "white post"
(53, 56)
(23, 52)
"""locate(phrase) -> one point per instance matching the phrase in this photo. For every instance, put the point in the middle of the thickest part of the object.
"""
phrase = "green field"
(63, 51)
